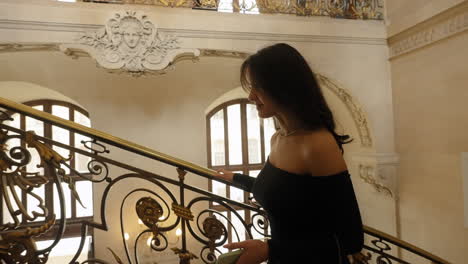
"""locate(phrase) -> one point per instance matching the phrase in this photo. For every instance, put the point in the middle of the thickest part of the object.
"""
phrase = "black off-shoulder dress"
(313, 219)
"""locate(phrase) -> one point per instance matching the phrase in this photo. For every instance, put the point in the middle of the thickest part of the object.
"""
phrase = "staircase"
(159, 204)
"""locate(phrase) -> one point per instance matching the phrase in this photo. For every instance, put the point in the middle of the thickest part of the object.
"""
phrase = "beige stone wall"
(431, 128)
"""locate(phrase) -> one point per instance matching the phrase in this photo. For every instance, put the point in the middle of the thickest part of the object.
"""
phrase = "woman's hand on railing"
(225, 175)
(255, 251)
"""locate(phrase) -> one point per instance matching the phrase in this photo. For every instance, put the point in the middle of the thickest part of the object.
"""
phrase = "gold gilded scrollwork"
(51, 157)
(46, 153)
(359, 9)
(213, 229)
(208, 4)
(184, 256)
(167, 3)
(350, 9)
(17, 244)
(360, 258)
(20, 247)
(149, 211)
(14, 176)
(183, 212)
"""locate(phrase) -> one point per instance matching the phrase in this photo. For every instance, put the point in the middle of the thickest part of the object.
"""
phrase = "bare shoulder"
(274, 137)
(318, 142)
(321, 154)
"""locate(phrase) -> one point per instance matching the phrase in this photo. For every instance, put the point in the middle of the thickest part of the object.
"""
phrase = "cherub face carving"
(132, 31)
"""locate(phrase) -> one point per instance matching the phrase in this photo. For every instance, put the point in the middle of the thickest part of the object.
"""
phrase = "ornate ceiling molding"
(18, 47)
(437, 28)
(130, 42)
(189, 33)
(224, 53)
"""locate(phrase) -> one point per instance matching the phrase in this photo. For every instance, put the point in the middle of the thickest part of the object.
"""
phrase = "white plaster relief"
(354, 108)
(380, 171)
(130, 42)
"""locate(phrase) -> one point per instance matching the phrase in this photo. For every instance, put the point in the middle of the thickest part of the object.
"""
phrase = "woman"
(304, 187)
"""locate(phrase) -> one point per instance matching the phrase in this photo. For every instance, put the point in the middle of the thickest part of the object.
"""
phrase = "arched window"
(48, 192)
(239, 141)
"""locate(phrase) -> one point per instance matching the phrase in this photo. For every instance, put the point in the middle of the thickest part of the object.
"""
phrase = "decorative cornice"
(46, 26)
(224, 53)
(274, 37)
(17, 47)
(186, 33)
(437, 28)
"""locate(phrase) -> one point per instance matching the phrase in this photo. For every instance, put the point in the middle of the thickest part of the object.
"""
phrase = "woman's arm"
(244, 181)
(349, 227)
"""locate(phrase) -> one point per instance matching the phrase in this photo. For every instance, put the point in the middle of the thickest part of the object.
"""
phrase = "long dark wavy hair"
(281, 72)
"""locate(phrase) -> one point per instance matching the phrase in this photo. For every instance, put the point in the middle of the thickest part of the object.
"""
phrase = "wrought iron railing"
(350, 9)
(161, 204)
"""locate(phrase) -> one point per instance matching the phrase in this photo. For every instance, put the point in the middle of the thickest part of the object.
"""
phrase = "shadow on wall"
(21, 92)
